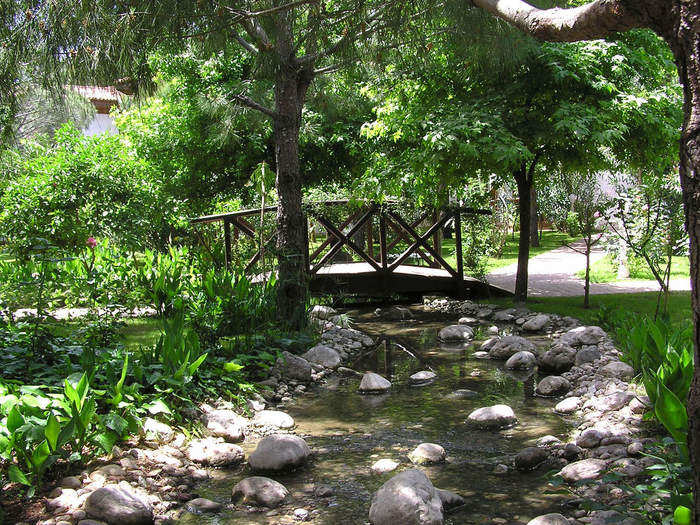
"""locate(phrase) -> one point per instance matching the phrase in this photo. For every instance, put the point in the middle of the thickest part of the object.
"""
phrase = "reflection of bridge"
(375, 250)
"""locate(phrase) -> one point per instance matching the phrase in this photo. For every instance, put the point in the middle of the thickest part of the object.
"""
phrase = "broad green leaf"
(14, 420)
(87, 413)
(672, 414)
(52, 431)
(41, 452)
(16, 475)
(106, 440)
(66, 434)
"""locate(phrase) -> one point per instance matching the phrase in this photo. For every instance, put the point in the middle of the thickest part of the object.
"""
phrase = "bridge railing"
(384, 236)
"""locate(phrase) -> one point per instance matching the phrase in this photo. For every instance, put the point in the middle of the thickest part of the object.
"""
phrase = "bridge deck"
(362, 278)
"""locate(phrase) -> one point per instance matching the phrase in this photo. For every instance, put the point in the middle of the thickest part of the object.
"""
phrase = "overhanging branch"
(249, 102)
(588, 22)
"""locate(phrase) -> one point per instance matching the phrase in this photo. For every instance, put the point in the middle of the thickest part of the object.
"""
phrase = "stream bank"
(501, 474)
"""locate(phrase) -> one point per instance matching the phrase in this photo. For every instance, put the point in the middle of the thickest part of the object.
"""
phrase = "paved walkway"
(553, 273)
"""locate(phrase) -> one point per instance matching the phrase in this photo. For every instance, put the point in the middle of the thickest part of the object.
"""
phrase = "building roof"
(101, 93)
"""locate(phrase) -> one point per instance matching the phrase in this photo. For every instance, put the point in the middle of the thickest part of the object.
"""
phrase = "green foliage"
(663, 353)
(40, 429)
(164, 277)
(85, 187)
(667, 488)
(224, 303)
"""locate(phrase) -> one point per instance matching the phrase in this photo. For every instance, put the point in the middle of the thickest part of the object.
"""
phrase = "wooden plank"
(246, 228)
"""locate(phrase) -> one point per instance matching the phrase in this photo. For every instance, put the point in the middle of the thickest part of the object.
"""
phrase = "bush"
(81, 187)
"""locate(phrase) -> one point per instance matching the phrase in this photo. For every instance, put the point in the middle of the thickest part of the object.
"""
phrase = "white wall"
(100, 124)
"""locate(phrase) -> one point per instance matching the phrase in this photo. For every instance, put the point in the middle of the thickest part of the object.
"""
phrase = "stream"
(348, 432)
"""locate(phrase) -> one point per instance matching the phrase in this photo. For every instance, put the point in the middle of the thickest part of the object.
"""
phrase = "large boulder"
(583, 335)
(427, 454)
(372, 383)
(260, 491)
(117, 505)
(291, 366)
(587, 354)
(521, 361)
(208, 451)
(493, 417)
(510, 345)
(225, 423)
(568, 405)
(489, 343)
(273, 418)
(552, 386)
(584, 470)
(323, 355)
(618, 369)
(456, 333)
(560, 358)
(536, 323)
(279, 452)
(408, 498)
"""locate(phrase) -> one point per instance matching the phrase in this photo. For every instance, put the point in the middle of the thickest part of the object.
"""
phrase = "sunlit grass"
(643, 304)
(605, 270)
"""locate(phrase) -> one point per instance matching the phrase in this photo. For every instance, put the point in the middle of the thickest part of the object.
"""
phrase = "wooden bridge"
(373, 249)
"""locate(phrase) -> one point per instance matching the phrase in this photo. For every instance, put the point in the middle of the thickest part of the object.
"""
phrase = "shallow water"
(348, 432)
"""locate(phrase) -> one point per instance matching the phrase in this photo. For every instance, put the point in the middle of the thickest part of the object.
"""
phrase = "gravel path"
(553, 273)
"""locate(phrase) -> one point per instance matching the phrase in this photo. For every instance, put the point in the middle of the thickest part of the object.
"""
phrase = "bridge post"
(458, 254)
(227, 243)
(382, 239)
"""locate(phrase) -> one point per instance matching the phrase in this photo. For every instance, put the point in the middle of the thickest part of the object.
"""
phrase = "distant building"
(104, 99)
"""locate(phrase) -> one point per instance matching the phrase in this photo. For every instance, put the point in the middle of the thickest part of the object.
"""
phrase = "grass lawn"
(605, 270)
(635, 303)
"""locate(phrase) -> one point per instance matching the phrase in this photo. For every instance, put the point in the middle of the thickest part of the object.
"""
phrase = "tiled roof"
(104, 93)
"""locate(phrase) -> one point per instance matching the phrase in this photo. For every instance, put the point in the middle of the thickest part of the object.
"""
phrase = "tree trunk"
(587, 284)
(685, 44)
(534, 218)
(524, 182)
(290, 92)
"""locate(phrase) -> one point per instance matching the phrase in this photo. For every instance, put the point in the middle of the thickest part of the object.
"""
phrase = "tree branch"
(245, 44)
(591, 21)
(249, 102)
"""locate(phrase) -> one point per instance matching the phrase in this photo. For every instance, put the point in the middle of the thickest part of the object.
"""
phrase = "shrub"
(80, 187)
